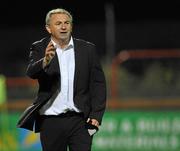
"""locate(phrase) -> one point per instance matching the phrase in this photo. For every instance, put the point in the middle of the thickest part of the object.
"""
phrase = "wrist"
(45, 62)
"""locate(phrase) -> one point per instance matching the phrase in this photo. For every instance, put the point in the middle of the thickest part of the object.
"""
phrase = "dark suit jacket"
(89, 82)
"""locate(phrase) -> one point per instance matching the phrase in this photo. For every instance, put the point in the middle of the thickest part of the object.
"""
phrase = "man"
(72, 92)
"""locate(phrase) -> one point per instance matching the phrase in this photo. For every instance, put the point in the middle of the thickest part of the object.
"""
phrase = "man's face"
(60, 27)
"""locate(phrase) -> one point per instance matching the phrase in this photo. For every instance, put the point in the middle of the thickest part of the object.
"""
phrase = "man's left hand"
(93, 122)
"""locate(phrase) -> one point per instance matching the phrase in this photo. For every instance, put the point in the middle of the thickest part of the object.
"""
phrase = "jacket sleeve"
(97, 88)
(35, 68)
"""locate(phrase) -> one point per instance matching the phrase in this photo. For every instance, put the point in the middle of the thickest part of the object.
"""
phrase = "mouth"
(63, 32)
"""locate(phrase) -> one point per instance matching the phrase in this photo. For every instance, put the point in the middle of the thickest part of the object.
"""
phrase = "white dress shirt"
(64, 100)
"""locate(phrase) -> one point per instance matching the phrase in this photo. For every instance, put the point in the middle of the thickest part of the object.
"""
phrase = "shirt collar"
(70, 44)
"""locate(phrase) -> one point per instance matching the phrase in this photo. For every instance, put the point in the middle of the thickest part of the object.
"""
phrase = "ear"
(48, 29)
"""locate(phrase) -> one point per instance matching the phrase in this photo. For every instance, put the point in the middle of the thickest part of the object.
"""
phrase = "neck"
(61, 42)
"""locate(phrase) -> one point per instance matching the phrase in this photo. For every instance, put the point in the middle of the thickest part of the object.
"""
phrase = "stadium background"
(139, 47)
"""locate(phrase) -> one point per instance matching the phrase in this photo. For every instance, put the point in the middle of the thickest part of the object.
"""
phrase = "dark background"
(138, 25)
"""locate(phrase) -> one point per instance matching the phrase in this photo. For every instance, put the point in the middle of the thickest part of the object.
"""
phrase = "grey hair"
(58, 11)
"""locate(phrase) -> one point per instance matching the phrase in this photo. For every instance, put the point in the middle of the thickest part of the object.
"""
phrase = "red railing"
(125, 55)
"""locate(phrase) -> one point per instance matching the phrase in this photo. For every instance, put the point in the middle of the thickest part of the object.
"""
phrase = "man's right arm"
(49, 54)
(38, 62)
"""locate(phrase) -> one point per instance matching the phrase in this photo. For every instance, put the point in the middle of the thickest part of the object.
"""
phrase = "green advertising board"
(139, 131)
(120, 131)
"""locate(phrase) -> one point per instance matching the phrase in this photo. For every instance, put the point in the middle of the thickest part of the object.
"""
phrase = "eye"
(67, 22)
(58, 23)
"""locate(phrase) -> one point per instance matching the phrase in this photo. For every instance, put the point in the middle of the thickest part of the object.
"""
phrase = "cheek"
(70, 28)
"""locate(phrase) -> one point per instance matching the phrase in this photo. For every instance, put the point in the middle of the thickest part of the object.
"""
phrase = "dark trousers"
(63, 131)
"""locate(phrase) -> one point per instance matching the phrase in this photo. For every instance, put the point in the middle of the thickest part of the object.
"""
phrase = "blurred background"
(139, 46)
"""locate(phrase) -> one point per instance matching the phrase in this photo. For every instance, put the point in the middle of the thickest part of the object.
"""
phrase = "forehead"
(60, 16)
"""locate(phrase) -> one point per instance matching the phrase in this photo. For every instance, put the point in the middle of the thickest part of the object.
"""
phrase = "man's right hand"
(49, 54)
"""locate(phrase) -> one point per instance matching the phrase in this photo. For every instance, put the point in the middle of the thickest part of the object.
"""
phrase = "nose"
(63, 26)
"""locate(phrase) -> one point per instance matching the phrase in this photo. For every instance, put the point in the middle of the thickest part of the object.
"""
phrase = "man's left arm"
(98, 89)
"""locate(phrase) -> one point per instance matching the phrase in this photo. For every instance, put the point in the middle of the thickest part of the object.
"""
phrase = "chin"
(64, 38)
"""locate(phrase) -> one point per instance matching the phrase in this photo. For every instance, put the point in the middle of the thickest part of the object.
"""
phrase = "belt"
(66, 114)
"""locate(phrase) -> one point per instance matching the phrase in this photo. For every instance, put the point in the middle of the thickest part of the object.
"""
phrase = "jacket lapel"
(54, 67)
(77, 62)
